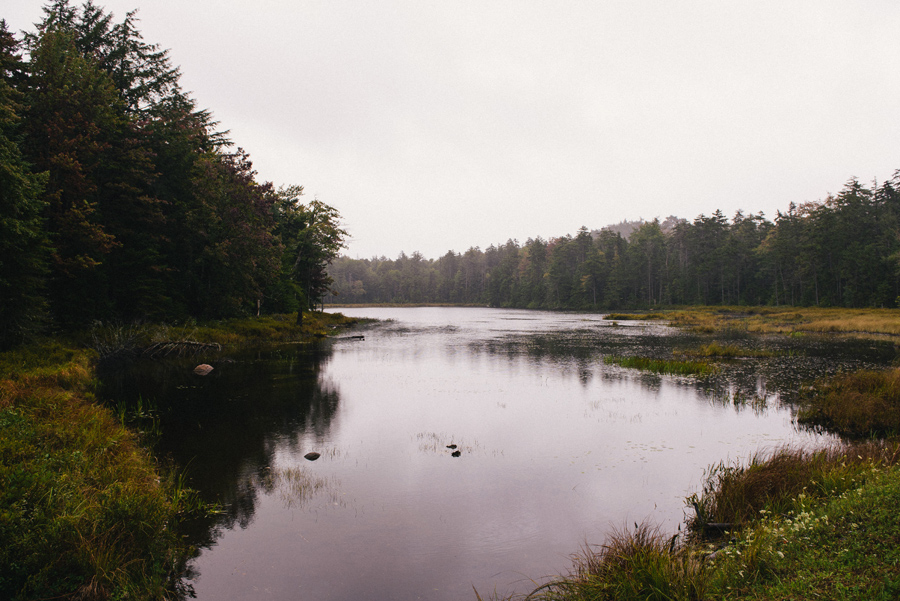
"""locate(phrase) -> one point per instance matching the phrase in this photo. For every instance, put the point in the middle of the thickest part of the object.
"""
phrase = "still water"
(555, 448)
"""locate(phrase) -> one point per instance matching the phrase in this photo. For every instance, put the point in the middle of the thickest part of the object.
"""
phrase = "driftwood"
(179, 348)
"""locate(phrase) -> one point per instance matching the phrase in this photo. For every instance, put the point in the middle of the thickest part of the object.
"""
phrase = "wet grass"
(663, 366)
(84, 512)
(857, 405)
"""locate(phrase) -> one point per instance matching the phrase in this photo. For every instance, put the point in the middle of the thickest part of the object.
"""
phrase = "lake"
(552, 448)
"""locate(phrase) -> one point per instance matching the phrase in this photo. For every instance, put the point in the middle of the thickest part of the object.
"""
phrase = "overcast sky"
(434, 126)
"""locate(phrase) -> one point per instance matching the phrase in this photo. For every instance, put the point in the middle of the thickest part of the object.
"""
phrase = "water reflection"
(224, 429)
(459, 447)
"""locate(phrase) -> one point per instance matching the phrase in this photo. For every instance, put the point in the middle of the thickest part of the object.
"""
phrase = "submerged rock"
(312, 456)
(203, 369)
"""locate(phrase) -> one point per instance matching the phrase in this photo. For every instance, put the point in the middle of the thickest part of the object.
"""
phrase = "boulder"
(203, 369)
(312, 456)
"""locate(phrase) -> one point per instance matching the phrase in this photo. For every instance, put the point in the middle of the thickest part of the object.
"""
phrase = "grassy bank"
(85, 511)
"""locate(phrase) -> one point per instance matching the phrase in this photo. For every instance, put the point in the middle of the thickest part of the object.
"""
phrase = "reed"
(857, 405)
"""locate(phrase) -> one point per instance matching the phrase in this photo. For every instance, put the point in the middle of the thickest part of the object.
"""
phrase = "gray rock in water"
(312, 456)
(203, 369)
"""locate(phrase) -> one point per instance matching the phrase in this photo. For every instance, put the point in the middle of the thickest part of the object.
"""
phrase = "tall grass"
(857, 405)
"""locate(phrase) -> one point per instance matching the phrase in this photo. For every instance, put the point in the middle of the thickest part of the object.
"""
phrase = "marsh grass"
(860, 323)
(857, 405)
(663, 366)
(84, 512)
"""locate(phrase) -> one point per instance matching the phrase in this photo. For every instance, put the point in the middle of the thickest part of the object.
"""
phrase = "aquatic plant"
(663, 366)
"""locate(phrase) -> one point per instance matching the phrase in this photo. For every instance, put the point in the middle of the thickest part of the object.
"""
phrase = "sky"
(437, 126)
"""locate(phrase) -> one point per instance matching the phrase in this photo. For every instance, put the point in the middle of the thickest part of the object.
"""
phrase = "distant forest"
(120, 200)
(843, 251)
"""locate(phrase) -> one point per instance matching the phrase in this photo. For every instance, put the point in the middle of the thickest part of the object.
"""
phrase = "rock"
(203, 369)
(312, 456)
(456, 453)
(451, 446)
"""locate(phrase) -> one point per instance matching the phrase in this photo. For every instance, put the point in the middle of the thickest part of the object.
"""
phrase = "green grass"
(857, 405)
(663, 366)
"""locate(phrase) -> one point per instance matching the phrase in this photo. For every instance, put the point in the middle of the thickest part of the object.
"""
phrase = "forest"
(843, 252)
(121, 200)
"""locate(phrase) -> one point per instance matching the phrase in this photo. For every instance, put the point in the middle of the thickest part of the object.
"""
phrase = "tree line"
(843, 251)
(120, 199)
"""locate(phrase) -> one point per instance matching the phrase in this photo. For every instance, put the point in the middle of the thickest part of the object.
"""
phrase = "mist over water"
(555, 448)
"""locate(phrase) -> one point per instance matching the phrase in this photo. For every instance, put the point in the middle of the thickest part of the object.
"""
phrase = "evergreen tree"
(23, 243)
